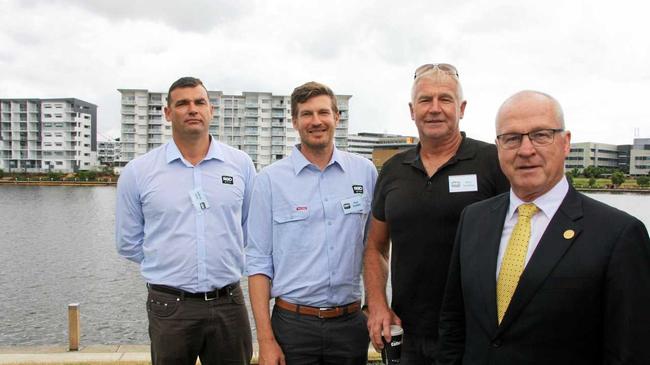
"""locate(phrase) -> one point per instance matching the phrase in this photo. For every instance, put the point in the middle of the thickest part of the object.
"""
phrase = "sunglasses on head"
(444, 67)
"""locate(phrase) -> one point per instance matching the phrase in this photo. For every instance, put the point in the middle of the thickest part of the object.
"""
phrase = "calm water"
(57, 247)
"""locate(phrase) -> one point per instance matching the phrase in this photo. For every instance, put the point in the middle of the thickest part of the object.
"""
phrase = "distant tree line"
(592, 173)
(105, 174)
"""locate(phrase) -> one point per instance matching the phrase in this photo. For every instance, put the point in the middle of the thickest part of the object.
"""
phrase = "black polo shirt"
(422, 214)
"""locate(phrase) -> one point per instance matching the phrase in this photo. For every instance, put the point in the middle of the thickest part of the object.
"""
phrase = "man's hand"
(270, 353)
(379, 320)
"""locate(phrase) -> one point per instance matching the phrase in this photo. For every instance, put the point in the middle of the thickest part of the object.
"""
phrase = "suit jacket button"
(496, 343)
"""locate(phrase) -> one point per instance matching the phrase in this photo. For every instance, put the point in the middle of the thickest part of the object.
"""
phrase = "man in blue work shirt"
(181, 214)
(306, 236)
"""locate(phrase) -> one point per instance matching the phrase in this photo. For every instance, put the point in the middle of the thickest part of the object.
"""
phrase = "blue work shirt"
(307, 228)
(191, 246)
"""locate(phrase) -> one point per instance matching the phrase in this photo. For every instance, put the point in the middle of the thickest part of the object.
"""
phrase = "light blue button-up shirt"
(177, 242)
(307, 228)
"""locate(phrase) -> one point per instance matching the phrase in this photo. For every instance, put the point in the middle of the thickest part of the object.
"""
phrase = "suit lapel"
(549, 251)
(487, 252)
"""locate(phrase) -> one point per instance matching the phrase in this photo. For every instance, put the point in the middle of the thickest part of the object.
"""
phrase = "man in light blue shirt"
(306, 235)
(181, 214)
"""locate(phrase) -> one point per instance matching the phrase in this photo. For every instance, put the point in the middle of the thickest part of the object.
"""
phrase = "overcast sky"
(593, 56)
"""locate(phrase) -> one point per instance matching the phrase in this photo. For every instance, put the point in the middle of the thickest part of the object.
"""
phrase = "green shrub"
(643, 181)
(618, 178)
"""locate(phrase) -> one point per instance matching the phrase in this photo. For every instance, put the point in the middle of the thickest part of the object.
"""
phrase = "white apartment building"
(258, 123)
(40, 135)
(108, 152)
(363, 143)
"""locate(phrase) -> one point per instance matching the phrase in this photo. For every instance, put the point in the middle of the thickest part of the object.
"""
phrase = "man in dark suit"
(544, 274)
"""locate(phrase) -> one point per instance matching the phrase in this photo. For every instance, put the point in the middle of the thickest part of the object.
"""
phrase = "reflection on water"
(58, 248)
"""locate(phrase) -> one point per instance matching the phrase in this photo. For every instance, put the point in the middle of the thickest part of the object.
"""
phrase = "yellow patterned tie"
(514, 258)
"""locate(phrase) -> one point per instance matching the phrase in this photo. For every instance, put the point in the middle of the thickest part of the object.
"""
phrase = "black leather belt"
(210, 295)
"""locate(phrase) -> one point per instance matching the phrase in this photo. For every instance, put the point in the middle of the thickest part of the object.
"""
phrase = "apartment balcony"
(128, 102)
(276, 114)
(126, 111)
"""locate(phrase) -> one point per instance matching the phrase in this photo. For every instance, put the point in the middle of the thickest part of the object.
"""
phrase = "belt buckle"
(207, 298)
(322, 310)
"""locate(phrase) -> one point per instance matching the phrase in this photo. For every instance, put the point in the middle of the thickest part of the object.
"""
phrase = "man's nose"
(527, 147)
(435, 106)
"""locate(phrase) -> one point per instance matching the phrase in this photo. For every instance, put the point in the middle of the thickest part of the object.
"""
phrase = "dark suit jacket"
(580, 300)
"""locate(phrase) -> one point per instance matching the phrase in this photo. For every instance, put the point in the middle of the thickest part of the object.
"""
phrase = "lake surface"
(57, 247)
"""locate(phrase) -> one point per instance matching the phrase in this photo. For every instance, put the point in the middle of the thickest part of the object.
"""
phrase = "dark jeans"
(216, 331)
(418, 350)
(308, 340)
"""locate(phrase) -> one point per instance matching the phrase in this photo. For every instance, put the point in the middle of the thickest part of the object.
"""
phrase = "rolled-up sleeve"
(259, 248)
(249, 183)
(129, 220)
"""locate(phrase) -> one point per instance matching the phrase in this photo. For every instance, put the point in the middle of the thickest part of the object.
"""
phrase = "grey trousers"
(217, 331)
(308, 340)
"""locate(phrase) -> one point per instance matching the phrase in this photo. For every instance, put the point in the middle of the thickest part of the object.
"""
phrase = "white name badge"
(198, 199)
(462, 183)
(352, 205)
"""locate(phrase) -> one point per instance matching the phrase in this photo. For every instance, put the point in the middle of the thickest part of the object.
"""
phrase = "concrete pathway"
(92, 353)
(60, 354)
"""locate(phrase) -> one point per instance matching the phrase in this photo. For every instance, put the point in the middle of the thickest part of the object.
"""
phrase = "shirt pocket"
(290, 224)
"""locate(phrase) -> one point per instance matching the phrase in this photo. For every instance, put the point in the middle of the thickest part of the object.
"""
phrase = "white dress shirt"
(547, 204)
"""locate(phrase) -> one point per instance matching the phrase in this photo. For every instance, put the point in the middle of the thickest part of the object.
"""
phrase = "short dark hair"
(186, 81)
(307, 91)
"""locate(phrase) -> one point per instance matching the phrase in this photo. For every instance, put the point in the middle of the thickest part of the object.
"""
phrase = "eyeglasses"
(444, 67)
(541, 137)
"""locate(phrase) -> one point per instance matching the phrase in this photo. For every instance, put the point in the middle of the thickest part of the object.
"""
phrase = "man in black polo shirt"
(418, 199)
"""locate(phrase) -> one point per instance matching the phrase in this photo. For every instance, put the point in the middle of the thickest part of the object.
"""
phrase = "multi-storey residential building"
(258, 123)
(640, 157)
(39, 135)
(363, 143)
(108, 152)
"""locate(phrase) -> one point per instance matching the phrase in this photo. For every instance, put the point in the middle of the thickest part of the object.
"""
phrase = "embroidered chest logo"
(299, 208)
(227, 180)
(357, 189)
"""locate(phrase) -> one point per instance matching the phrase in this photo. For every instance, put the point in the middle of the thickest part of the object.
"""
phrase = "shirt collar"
(299, 161)
(173, 153)
(548, 203)
(465, 151)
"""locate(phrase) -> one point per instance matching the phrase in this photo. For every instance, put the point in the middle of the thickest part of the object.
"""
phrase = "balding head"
(532, 143)
(537, 97)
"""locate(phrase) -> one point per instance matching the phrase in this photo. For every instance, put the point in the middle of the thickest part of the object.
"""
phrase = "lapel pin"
(568, 234)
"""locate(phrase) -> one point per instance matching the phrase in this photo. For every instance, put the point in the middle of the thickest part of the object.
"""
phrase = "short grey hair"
(438, 75)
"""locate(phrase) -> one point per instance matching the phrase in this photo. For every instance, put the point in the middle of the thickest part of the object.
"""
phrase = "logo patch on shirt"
(301, 208)
(346, 206)
(227, 180)
(357, 189)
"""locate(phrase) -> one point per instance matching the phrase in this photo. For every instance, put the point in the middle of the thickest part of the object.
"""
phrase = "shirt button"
(329, 223)
(496, 343)
(429, 182)
(331, 247)
(326, 199)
